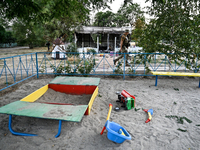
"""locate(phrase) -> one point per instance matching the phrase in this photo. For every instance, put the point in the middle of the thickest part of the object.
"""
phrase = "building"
(58, 51)
(102, 38)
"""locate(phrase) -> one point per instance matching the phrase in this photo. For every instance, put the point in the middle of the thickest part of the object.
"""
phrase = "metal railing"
(18, 68)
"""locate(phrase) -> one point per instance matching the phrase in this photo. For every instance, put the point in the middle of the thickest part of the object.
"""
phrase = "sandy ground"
(178, 97)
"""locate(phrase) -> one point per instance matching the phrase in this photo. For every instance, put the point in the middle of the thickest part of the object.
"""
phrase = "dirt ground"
(6, 52)
(174, 125)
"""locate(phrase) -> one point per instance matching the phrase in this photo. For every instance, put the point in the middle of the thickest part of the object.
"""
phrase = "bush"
(71, 49)
(86, 68)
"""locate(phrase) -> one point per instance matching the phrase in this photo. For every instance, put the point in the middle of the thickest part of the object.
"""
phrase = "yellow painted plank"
(35, 95)
(92, 99)
(177, 74)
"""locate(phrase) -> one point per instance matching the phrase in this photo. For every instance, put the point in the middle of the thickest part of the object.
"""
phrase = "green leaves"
(126, 15)
(174, 29)
(27, 9)
(104, 19)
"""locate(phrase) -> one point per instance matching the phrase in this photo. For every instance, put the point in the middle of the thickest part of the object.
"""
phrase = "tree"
(28, 33)
(175, 29)
(104, 19)
(56, 17)
(2, 34)
(9, 39)
(45, 9)
(6, 36)
(128, 13)
(139, 27)
(27, 10)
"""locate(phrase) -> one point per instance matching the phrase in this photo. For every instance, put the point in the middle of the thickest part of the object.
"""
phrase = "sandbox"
(48, 109)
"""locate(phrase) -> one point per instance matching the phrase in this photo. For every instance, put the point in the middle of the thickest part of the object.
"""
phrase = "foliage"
(126, 15)
(104, 19)
(9, 38)
(47, 9)
(27, 9)
(91, 51)
(50, 18)
(43, 69)
(63, 69)
(131, 71)
(29, 33)
(174, 29)
(6, 36)
(129, 13)
(139, 26)
(2, 34)
(86, 67)
(118, 69)
(72, 50)
(57, 70)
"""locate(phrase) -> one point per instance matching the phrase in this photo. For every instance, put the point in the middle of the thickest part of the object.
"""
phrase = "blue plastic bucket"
(113, 132)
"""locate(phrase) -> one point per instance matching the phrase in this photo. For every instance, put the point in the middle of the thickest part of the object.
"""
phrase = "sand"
(172, 97)
(51, 96)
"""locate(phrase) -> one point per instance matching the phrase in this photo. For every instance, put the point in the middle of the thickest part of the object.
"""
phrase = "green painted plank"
(47, 111)
(76, 80)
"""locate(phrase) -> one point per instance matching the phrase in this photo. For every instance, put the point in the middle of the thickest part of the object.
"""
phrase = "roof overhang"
(102, 30)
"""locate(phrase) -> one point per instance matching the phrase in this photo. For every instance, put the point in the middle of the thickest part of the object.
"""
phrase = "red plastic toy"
(127, 99)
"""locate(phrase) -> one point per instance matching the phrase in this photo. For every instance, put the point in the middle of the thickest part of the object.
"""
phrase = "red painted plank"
(73, 89)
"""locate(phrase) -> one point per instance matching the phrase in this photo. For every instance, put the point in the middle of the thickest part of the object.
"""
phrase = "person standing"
(48, 44)
(124, 44)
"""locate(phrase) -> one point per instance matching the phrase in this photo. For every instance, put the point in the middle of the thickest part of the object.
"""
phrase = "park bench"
(175, 74)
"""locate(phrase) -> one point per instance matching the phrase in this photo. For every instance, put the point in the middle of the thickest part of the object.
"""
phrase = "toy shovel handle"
(109, 112)
(108, 116)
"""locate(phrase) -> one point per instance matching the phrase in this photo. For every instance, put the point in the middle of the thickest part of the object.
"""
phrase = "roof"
(93, 29)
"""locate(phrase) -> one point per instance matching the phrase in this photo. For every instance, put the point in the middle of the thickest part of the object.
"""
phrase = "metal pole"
(37, 65)
(108, 41)
(115, 44)
(124, 66)
(98, 43)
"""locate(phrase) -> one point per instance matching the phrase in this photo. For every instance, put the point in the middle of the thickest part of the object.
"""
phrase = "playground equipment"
(127, 99)
(188, 74)
(150, 112)
(115, 133)
(29, 106)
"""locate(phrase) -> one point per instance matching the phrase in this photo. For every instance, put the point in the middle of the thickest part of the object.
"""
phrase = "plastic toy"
(115, 133)
(127, 99)
(150, 112)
